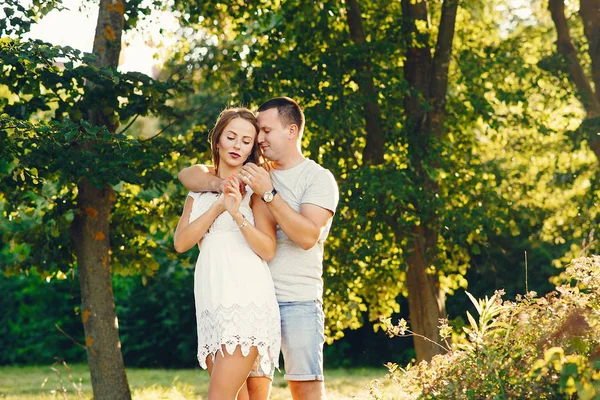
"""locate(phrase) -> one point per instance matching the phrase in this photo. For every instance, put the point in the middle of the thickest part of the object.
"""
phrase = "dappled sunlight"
(178, 391)
(25, 383)
(463, 136)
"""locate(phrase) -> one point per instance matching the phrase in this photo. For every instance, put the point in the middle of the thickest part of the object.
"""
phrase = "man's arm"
(303, 228)
(201, 178)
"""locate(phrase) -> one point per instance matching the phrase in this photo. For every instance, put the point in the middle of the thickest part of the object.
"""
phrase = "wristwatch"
(267, 197)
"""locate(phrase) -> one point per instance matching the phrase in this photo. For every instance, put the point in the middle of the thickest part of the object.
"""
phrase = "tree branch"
(441, 65)
(70, 337)
(375, 147)
(589, 11)
(565, 46)
(129, 124)
(186, 114)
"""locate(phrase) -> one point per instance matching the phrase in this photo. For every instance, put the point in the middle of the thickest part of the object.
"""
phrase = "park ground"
(73, 382)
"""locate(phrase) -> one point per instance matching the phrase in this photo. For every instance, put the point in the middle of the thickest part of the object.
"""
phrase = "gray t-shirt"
(297, 273)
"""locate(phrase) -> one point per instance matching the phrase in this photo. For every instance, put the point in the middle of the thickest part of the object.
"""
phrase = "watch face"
(267, 197)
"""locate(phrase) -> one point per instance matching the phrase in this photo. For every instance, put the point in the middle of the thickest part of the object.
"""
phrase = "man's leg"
(307, 390)
(259, 388)
(243, 393)
(259, 382)
(302, 339)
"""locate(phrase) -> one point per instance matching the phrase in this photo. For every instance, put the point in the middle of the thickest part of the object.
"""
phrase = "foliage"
(31, 312)
(529, 114)
(511, 94)
(507, 185)
(48, 147)
(265, 49)
(512, 171)
(531, 348)
(156, 321)
(32, 72)
(16, 19)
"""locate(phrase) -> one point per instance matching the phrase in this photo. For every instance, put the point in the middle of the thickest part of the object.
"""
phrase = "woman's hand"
(219, 203)
(233, 196)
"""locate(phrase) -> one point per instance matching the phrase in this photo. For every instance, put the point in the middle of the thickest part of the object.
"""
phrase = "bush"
(157, 320)
(30, 311)
(532, 348)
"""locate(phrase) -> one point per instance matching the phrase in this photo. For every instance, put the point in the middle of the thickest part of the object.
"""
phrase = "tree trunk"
(590, 13)
(90, 233)
(426, 301)
(375, 146)
(427, 78)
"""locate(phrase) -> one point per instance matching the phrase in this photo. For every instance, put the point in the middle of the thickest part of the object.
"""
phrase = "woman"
(236, 309)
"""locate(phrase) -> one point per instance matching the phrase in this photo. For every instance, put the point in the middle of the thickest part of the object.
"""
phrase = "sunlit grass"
(42, 382)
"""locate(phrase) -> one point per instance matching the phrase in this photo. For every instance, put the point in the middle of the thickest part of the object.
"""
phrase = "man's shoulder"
(303, 171)
(318, 173)
(314, 169)
(306, 175)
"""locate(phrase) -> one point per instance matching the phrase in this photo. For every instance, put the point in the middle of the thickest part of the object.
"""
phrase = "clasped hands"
(230, 198)
(254, 176)
(233, 188)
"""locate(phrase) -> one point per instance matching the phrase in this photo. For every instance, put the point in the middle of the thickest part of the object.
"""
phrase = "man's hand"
(257, 178)
(222, 185)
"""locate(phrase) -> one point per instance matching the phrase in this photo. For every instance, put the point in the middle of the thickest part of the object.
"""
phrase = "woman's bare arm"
(186, 234)
(262, 236)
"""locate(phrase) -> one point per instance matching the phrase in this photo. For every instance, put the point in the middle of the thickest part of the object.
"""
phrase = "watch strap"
(273, 193)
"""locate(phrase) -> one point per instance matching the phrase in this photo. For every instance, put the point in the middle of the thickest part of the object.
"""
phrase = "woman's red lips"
(234, 155)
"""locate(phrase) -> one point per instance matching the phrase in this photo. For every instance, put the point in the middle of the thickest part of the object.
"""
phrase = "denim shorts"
(302, 340)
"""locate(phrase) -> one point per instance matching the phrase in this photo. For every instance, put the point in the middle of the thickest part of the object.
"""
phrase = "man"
(302, 196)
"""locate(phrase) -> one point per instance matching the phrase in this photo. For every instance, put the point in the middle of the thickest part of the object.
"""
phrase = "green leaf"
(474, 325)
(474, 302)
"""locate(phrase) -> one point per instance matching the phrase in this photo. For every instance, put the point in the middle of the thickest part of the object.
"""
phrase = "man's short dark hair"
(289, 111)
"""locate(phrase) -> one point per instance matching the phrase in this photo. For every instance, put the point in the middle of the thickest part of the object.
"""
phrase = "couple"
(280, 213)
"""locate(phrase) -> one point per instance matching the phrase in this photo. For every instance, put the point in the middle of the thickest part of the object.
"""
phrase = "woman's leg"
(229, 373)
(242, 394)
(209, 364)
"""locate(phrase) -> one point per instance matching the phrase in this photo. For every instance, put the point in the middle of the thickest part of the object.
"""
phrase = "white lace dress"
(235, 297)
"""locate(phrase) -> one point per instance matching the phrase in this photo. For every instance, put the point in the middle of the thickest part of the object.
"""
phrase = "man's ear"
(293, 131)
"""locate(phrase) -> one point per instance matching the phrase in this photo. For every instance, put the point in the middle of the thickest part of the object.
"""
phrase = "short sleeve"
(194, 195)
(322, 191)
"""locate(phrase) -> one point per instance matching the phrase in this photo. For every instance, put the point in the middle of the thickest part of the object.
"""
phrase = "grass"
(73, 382)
